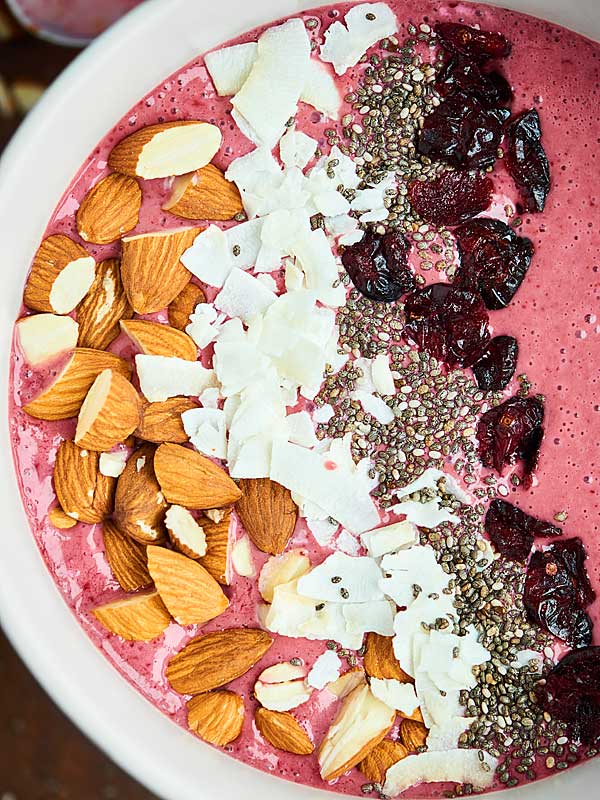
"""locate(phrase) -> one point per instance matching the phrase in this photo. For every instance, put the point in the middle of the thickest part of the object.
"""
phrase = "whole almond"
(216, 717)
(61, 275)
(140, 618)
(204, 194)
(215, 659)
(216, 560)
(154, 339)
(60, 520)
(104, 306)
(184, 305)
(268, 513)
(192, 480)
(283, 731)
(127, 558)
(380, 759)
(110, 412)
(140, 506)
(413, 735)
(161, 422)
(189, 592)
(380, 661)
(83, 492)
(110, 209)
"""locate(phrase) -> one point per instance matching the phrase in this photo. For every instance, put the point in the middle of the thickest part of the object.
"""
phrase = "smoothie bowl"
(302, 406)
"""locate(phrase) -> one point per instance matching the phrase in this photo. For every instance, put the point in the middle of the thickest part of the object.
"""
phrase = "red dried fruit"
(463, 133)
(571, 693)
(512, 531)
(526, 160)
(511, 431)
(496, 366)
(461, 75)
(451, 324)
(477, 45)
(452, 198)
(493, 260)
(558, 590)
(378, 266)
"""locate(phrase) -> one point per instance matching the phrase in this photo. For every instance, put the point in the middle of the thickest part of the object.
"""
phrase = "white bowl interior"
(112, 75)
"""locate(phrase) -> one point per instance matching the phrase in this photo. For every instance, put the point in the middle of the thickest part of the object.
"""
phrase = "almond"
(161, 422)
(61, 275)
(416, 716)
(185, 533)
(380, 661)
(216, 560)
(380, 759)
(43, 337)
(361, 723)
(192, 596)
(83, 492)
(64, 397)
(346, 683)
(151, 270)
(268, 513)
(110, 209)
(127, 558)
(60, 520)
(189, 479)
(216, 717)
(278, 570)
(184, 305)
(166, 149)
(283, 731)
(140, 618)
(140, 507)
(105, 305)
(212, 660)
(154, 339)
(204, 194)
(110, 412)
(413, 735)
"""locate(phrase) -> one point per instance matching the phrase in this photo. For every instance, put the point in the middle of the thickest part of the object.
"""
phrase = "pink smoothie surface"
(555, 316)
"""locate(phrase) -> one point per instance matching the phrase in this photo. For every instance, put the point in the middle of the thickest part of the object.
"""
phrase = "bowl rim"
(32, 612)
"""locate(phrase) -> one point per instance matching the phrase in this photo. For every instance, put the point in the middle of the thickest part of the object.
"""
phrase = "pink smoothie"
(554, 317)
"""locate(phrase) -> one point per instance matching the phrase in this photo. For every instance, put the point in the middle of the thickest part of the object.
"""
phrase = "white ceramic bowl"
(91, 96)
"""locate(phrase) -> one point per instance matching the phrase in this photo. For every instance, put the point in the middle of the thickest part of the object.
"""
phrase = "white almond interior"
(186, 530)
(72, 284)
(178, 150)
(46, 336)
(93, 403)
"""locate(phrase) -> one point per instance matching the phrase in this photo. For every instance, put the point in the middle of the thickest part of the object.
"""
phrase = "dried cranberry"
(449, 323)
(452, 198)
(571, 693)
(526, 160)
(493, 259)
(495, 367)
(460, 75)
(558, 590)
(378, 266)
(506, 432)
(463, 133)
(477, 45)
(512, 531)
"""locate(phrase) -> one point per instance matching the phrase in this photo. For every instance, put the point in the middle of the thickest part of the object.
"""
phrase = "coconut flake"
(393, 693)
(445, 737)
(326, 669)
(206, 430)
(205, 325)
(365, 25)
(390, 538)
(374, 406)
(243, 296)
(162, 377)
(455, 766)
(382, 375)
(296, 149)
(301, 430)
(407, 568)
(209, 257)
(425, 515)
(313, 254)
(341, 578)
(230, 67)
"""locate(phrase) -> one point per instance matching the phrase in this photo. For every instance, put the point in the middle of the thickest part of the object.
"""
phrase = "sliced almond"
(413, 735)
(268, 513)
(190, 479)
(346, 683)
(43, 337)
(64, 397)
(241, 558)
(110, 209)
(281, 569)
(161, 422)
(185, 533)
(61, 275)
(83, 492)
(169, 148)
(416, 716)
(140, 618)
(216, 717)
(184, 305)
(110, 412)
(380, 661)
(151, 270)
(283, 731)
(216, 560)
(282, 687)
(105, 305)
(140, 506)
(380, 759)
(204, 194)
(60, 520)
(361, 723)
(127, 558)
(154, 339)
(186, 588)
(212, 660)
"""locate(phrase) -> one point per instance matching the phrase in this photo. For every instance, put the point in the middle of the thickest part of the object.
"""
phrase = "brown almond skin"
(215, 659)
(139, 618)
(216, 560)
(268, 514)
(127, 558)
(161, 422)
(110, 209)
(207, 195)
(156, 339)
(191, 480)
(98, 321)
(184, 305)
(60, 520)
(216, 717)
(376, 763)
(380, 661)
(283, 731)
(54, 253)
(413, 735)
(82, 491)
(139, 499)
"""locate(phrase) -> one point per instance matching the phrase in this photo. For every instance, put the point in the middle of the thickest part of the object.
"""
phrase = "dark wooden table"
(42, 755)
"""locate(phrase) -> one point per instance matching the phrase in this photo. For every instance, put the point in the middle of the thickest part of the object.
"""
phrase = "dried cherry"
(493, 259)
(496, 366)
(476, 44)
(451, 198)
(450, 323)
(461, 75)
(526, 160)
(511, 431)
(558, 590)
(512, 531)
(378, 266)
